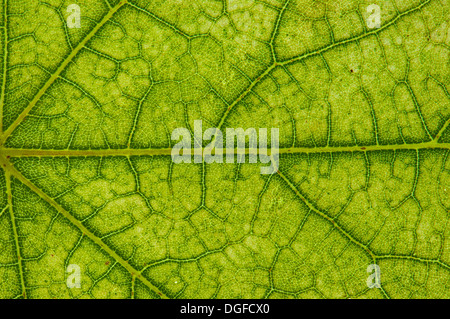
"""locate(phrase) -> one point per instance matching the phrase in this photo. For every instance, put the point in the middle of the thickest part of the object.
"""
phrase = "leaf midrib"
(14, 152)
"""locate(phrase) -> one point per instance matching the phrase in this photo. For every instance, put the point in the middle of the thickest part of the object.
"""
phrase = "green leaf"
(87, 181)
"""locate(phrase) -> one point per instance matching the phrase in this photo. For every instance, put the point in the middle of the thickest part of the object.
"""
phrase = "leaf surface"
(87, 178)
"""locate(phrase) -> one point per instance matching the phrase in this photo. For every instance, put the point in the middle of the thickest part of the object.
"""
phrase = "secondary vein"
(55, 75)
(16, 236)
(12, 171)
